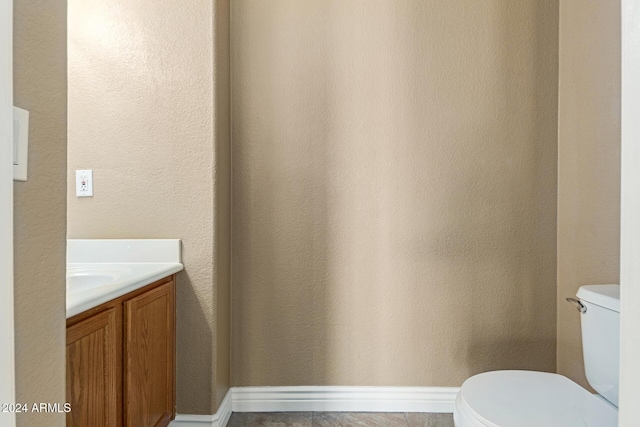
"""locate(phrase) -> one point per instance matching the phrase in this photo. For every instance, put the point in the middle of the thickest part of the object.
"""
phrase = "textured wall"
(40, 86)
(588, 163)
(141, 115)
(394, 190)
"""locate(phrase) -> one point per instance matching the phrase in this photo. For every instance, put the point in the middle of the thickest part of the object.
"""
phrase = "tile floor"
(339, 419)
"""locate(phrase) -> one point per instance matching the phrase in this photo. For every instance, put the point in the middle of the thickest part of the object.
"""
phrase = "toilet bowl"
(541, 399)
(529, 399)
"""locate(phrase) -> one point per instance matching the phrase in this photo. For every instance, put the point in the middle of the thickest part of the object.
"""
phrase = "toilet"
(528, 398)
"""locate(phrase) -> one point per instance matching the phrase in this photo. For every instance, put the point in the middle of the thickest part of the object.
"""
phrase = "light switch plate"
(20, 143)
(84, 183)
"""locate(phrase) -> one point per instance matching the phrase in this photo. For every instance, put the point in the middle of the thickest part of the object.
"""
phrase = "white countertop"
(101, 270)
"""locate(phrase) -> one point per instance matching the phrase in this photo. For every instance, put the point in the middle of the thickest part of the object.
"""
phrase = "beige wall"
(143, 79)
(40, 84)
(588, 163)
(394, 190)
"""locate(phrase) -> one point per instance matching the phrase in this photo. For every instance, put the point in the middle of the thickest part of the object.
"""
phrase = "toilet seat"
(529, 399)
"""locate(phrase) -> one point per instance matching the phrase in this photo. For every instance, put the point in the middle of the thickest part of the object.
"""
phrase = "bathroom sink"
(104, 269)
(90, 277)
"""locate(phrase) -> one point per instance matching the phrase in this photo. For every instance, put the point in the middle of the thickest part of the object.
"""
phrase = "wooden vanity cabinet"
(149, 368)
(121, 360)
(94, 370)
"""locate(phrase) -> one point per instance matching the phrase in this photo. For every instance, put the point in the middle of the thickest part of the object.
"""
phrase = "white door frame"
(629, 415)
(7, 362)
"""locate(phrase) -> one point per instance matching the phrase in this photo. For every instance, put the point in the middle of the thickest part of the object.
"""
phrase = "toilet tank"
(601, 338)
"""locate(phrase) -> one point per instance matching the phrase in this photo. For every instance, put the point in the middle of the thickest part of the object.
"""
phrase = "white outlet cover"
(84, 183)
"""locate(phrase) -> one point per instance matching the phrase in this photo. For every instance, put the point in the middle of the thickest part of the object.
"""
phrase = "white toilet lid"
(533, 399)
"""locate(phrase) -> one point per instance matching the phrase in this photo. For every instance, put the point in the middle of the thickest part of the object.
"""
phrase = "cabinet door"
(149, 358)
(94, 370)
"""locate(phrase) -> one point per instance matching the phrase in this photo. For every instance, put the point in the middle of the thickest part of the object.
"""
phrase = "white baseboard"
(193, 421)
(219, 419)
(324, 399)
(344, 399)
